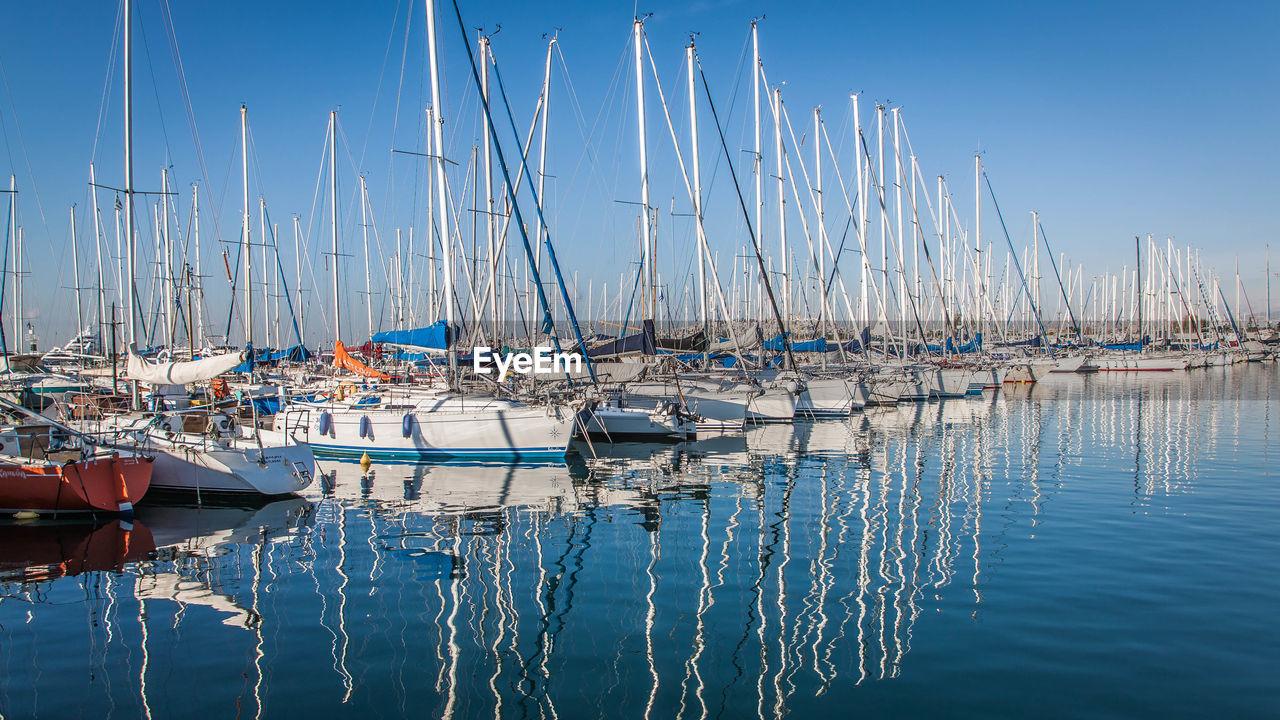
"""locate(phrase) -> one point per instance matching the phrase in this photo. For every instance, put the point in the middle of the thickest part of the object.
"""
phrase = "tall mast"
(645, 230)
(1137, 285)
(782, 206)
(197, 333)
(977, 236)
(432, 310)
(822, 227)
(1035, 261)
(697, 197)
(542, 175)
(13, 252)
(297, 261)
(759, 160)
(75, 269)
(364, 231)
(884, 228)
(333, 219)
(166, 265)
(488, 212)
(399, 277)
(244, 230)
(901, 236)
(135, 399)
(97, 247)
(861, 197)
(442, 208)
(266, 289)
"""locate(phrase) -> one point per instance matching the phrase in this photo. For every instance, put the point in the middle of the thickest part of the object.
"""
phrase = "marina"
(491, 383)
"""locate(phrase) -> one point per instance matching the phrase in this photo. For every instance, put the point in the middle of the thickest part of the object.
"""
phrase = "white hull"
(618, 424)
(224, 462)
(716, 405)
(1141, 363)
(433, 426)
(775, 405)
(827, 398)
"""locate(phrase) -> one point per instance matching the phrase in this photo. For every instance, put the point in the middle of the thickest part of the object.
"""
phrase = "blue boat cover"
(642, 342)
(776, 344)
(435, 336)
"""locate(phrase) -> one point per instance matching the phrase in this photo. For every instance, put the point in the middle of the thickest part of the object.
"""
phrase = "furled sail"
(436, 336)
(750, 339)
(179, 373)
(343, 359)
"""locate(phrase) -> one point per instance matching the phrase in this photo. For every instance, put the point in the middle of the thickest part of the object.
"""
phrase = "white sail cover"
(750, 339)
(180, 373)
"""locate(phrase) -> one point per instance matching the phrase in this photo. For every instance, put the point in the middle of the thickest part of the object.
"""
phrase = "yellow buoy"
(365, 463)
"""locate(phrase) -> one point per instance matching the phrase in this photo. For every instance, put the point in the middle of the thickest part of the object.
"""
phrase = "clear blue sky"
(1110, 119)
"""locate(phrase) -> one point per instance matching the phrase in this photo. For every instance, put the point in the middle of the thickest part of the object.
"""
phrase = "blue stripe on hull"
(533, 453)
(823, 414)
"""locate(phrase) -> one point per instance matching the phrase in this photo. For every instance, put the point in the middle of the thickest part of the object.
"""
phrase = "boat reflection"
(44, 550)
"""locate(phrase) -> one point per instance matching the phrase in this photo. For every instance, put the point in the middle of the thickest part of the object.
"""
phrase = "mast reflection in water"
(1101, 543)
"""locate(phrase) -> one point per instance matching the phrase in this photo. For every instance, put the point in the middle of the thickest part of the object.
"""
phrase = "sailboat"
(194, 448)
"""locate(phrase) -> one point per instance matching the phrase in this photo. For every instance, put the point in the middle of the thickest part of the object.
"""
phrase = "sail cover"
(343, 359)
(433, 337)
(180, 373)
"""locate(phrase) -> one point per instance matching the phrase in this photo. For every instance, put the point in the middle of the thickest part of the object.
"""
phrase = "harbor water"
(1090, 546)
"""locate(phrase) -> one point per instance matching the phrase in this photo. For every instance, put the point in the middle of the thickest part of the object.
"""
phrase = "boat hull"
(494, 430)
(106, 483)
(240, 467)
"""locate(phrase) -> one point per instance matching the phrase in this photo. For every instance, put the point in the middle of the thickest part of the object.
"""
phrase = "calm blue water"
(1092, 547)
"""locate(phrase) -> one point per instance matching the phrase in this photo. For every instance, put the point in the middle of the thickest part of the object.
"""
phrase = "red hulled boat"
(100, 483)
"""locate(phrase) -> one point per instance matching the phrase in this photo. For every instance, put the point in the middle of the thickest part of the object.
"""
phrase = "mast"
(977, 236)
(75, 269)
(1035, 261)
(97, 247)
(398, 274)
(244, 230)
(884, 219)
(266, 289)
(442, 206)
(364, 232)
(542, 175)
(861, 196)
(13, 252)
(166, 266)
(901, 237)
(822, 227)
(782, 207)
(432, 311)
(645, 230)
(759, 160)
(1137, 286)
(333, 219)
(297, 261)
(489, 218)
(697, 201)
(134, 398)
(197, 332)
